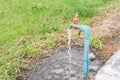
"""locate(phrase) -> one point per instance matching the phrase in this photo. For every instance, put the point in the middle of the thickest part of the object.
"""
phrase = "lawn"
(28, 26)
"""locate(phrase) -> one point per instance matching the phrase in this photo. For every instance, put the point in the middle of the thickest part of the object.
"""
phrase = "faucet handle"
(75, 20)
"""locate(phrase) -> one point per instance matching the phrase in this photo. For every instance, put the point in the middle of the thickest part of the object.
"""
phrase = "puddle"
(56, 67)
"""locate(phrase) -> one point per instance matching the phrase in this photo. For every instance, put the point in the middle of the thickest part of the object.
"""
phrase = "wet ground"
(57, 66)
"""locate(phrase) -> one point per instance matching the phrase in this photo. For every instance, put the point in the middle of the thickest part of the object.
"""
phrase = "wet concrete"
(56, 67)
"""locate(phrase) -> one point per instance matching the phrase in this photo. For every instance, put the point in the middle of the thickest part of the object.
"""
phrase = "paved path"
(111, 70)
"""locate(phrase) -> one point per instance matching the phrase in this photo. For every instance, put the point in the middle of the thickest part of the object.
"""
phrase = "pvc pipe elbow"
(86, 30)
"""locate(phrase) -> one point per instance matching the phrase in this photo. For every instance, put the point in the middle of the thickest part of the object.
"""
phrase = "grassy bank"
(29, 26)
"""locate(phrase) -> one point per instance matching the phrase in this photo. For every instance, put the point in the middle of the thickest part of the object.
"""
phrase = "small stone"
(49, 77)
(57, 77)
(57, 71)
(72, 73)
(56, 66)
(92, 56)
(74, 63)
(93, 68)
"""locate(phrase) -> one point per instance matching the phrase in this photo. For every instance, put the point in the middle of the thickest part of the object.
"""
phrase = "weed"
(95, 42)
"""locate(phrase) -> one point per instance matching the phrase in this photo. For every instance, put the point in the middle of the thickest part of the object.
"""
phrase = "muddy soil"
(107, 24)
(57, 66)
(108, 29)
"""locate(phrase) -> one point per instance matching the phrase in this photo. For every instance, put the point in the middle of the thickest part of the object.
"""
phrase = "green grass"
(28, 26)
(96, 43)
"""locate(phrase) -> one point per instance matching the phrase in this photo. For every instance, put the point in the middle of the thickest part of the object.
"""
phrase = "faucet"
(86, 30)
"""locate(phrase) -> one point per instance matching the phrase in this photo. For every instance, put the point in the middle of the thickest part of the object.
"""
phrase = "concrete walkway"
(111, 70)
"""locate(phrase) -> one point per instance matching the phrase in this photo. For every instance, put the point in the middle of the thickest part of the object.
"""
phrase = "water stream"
(69, 48)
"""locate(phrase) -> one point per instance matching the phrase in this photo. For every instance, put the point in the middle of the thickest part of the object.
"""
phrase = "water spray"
(86, 30)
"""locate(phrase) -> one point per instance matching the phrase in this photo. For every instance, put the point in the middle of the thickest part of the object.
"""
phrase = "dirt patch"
(107, 28)
(109, 48)
(104, 25)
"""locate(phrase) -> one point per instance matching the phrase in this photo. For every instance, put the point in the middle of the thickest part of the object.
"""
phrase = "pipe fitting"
(75, 26)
